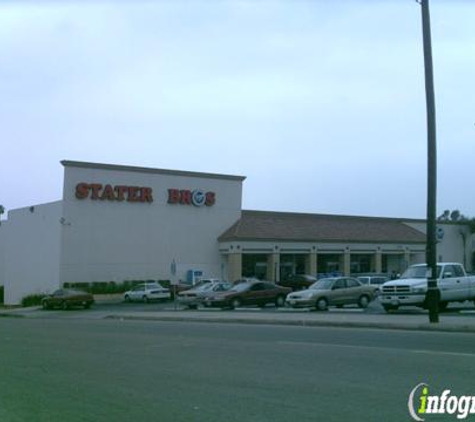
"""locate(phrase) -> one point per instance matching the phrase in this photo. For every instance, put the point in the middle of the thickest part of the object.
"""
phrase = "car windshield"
(419, 271)
(322, 284)
(203, 287)
(241, 287)
(221, 287)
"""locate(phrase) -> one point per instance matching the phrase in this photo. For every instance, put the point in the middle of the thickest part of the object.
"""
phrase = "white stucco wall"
(104, 240)
(2, 251)
(454, 245)
(31, 254)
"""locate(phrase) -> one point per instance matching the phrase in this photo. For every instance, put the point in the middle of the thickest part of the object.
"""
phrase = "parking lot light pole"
(174, 282)
(433, 294)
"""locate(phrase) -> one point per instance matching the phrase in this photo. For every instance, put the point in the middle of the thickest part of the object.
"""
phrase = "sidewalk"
(464, 323)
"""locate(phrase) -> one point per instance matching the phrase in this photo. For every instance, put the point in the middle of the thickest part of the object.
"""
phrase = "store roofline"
(293, 214)
(322, 240)
(115, 167)
(284, 214)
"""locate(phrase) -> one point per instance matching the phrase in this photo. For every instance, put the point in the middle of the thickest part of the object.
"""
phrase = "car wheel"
(363, 301)
(127, 298)
(192, 306)
(321, 304)
(389, 308)
(235, 303)
(280, 301)
(339, 306)
(145, 299)
(64, 305)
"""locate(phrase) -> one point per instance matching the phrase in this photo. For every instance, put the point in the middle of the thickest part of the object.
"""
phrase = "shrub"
(111, 287)
(32, 300)
(1, 294)
(165, 283)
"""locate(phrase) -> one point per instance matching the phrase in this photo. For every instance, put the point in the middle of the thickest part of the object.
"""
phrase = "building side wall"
(111, 240)
(3, 245)
(31, 255)
(453, 243)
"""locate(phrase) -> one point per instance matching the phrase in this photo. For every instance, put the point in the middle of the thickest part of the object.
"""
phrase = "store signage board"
(107, 192)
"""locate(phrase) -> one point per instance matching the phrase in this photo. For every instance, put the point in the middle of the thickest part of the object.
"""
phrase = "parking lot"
(458, 318)
(105, 306)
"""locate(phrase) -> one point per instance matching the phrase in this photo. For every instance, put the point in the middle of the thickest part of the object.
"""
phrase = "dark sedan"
(258, 293)
(298, 281)
(67, 298)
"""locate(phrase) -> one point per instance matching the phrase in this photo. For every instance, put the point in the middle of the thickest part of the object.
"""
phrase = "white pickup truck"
(410, 289)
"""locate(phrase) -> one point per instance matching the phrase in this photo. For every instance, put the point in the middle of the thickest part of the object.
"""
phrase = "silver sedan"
(194, 297)
(338, 291)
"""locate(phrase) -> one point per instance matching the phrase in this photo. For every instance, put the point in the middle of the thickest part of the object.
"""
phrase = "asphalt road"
(95, 370)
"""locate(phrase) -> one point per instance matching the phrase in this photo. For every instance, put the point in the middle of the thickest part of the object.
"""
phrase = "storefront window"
(360, 263)
(329, 264)
(254, 265)
(291, 264)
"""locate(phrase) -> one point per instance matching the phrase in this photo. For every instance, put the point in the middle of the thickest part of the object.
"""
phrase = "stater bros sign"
(98, 191)
(101, 192)
(197, 197)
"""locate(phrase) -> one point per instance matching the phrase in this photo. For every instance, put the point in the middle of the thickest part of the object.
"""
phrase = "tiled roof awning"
(263, 225)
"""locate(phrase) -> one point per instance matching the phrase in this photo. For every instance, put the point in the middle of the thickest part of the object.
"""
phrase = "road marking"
(389, 349)
(432, 352)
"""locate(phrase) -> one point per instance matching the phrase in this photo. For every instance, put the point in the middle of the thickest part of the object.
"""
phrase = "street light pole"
(433, 294)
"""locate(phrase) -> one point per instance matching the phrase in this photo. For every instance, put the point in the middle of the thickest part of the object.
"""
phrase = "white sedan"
(147, 293)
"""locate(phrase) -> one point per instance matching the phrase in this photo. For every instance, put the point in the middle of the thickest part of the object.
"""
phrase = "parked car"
(246, 280)
(258, 293)
(67, 298)
(194, 297)
(373, 279)
(298, 281)
(209, 280)
(184, 285)
(337, 291)
(147, 292)
(411, 289)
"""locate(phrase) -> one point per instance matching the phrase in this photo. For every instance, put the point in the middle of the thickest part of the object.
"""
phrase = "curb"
(18, 312)
(11, 315)
(301, 323)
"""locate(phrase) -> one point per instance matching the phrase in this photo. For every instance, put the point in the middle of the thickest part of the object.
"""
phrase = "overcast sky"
(321, 104)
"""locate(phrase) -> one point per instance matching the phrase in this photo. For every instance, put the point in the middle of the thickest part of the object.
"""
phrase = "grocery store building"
(117, 223)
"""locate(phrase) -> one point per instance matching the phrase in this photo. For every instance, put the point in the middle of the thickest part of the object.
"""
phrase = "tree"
(455, 215)
(445, 216)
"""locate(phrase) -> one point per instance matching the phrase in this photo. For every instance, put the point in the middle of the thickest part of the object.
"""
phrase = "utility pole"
(433, 294)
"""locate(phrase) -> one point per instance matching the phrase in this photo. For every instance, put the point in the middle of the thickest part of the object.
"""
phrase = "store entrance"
(329, 265)
(291, 264)
(254, 265)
